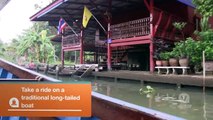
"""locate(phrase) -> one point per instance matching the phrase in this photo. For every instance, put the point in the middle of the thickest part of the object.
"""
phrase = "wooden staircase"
(84, 70)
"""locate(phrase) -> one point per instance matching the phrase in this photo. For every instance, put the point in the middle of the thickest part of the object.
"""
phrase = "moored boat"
(66, 71)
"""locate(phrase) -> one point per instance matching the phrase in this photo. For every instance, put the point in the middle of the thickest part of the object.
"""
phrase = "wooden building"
(132, 28)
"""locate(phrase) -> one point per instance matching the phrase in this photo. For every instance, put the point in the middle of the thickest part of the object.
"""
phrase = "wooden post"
(96, 58)
(57, 71)
(46, 68)
(109, 48)
(62, 51)
(81, 49)
(204, 71)
(62, 57)
(151, 46)
(109, 63)
(75, 57)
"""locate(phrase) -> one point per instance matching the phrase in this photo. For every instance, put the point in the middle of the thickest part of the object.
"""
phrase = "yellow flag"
(86, 17)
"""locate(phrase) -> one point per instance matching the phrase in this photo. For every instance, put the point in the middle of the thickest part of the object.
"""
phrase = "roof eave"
(57, 3)
(47, 9)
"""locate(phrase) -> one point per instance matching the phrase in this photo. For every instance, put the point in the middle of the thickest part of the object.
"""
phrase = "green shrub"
(165, 55)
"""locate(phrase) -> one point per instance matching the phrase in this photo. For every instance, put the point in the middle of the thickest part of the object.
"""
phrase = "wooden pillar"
(62, 57)
(62, 50)
(82, 49)
(95, 57)
(151, 46)
(109, 53)
(97, 39)
(109, 40)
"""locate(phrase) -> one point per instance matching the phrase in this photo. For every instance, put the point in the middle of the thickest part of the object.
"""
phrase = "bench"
(184, 69)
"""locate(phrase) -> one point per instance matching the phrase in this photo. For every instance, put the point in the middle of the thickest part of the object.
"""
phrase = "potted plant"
(185, 50)
(165, 57)
(158, 62)
(160, 46)
(180, 47)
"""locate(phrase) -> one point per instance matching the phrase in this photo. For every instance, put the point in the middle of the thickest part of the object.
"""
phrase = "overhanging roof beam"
(128, 1)
(72, 19)
(81, 3)
(55, 22)
(100, 11)
(55, 13)
(62, 8)
(147, 4)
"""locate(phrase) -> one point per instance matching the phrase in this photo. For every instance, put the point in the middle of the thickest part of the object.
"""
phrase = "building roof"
(3, 3)
(72, 11)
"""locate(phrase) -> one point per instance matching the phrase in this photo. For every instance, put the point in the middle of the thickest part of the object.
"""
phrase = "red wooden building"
(132, 27)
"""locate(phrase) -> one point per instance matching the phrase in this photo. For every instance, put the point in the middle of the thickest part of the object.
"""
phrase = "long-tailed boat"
(103, 107)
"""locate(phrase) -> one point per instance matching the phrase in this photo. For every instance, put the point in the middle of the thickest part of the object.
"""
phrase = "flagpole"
(99, 23)
(72, 30)
(70, 27)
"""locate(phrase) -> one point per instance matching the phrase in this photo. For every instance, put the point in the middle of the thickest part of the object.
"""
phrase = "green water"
(187, 102)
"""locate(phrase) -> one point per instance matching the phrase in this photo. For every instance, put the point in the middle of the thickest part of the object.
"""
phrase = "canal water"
(187, 102)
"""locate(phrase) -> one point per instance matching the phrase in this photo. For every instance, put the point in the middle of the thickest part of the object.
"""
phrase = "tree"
(204, 8)
(2, 49)
(35, 43)
(47, 50)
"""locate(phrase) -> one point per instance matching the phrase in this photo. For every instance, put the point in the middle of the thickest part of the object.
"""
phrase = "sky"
(14, 17)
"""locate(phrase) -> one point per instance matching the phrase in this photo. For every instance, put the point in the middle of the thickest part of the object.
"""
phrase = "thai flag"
(61, 25)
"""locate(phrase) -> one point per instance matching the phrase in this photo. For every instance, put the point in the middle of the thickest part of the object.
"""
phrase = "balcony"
(135, 28)
(162, 25)
(71, 40)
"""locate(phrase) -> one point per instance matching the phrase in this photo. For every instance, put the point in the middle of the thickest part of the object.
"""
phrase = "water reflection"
(207, 108)
(181, 101)
(187, 102)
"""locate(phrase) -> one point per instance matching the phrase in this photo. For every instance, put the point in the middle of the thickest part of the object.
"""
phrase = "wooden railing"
(140, 27)
(71, 40)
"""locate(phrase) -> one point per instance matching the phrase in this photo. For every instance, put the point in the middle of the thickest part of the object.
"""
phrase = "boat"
(103, 107)
(58, 71)
(43, 67)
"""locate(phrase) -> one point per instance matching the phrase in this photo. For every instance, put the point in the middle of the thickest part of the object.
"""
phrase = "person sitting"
(32, 65)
